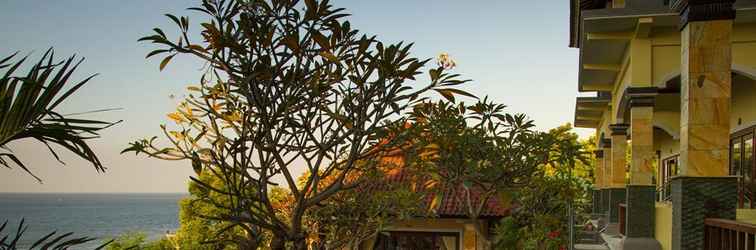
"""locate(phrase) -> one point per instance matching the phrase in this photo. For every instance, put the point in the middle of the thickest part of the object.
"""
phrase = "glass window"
(735, 157)
(743, 164)
(417, 241)
(747, 168)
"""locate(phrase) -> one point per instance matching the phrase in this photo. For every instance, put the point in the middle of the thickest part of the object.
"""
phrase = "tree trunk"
(278, 243)
(479, 230)
(300, 244)
(249, 242)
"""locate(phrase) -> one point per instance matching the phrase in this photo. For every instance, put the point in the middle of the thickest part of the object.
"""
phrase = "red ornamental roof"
(454, 199)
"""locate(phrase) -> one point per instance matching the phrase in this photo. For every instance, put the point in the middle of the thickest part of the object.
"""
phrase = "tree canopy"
(288, 84)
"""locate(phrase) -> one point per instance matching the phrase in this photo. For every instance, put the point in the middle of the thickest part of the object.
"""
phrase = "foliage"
(139, 241)
(352, 216)
(506, 234)
(27, 110)
(50, 241)
(540, 220)
(479, 147)
(289, 83)
(196, 230)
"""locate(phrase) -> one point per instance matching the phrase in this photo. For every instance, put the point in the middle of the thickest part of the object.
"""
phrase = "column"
(618, 173)
(704, 189)
(606, 147)
(598, 175)
(639, 228)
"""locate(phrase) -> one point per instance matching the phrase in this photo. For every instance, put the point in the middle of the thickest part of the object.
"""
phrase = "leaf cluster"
(52, 240)
(27, 110)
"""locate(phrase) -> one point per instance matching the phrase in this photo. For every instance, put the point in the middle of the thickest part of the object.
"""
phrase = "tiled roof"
(453, 201)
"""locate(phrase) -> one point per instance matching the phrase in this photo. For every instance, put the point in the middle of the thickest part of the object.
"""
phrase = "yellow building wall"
(666, 64)
(746, 215)
(619, 88)
(666, 145)
(663, 225)
(743, 113)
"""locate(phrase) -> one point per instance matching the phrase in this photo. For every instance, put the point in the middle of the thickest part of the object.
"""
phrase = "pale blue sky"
(515, 51)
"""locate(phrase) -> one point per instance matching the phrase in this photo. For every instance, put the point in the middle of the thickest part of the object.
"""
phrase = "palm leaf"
(27, 105)
(49, 241)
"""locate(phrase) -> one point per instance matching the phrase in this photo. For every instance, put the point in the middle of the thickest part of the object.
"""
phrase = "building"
(448, 228)
(674, 83)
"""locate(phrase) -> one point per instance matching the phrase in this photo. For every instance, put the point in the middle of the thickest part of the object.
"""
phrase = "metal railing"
(664, 193)
(721, 234)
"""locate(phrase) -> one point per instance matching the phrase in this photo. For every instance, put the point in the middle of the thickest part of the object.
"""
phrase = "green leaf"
(155, 52)
(329, 56)
(321, 40)
(435, 74)
(196, 164)
(448, 95)
(159, 31)
(175, 19)
(460, 92)
(165, 61)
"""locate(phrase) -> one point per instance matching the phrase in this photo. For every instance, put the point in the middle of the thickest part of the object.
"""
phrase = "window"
(417, 241)
(669, 168)
(742, 165)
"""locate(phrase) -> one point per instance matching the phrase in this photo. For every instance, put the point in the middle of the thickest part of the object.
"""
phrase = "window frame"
(740, 137)
(667, 174)
(457, 235)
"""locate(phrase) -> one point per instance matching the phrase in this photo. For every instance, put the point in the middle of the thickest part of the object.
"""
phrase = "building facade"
(670, 88)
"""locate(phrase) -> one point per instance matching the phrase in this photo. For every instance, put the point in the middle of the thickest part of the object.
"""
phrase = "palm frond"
(49, 241)
(27, 109)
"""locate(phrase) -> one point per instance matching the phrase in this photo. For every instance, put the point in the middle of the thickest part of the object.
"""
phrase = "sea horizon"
(99, 215)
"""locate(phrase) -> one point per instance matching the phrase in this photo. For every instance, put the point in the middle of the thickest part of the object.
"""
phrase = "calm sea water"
(94, 215)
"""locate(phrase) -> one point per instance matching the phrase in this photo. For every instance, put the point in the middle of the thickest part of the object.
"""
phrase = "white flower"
(444, 60)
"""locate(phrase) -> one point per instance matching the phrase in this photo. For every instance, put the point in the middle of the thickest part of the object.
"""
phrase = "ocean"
(95, 215)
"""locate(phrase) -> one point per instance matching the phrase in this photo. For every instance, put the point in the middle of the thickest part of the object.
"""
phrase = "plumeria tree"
(290, 86)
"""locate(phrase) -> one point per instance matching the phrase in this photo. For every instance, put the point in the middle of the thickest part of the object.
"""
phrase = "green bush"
(139, 241)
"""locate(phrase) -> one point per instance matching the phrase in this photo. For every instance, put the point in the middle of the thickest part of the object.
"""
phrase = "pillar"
(618, 173)
(598, 175)
(639, 229)
(703, 189)
(606, 147)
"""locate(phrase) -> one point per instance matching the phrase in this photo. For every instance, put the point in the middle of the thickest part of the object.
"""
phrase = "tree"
(478, 147)
(351, 217)
(196, 230)
(139, 241)
(288, 83)
(540, 220)
(28, 111)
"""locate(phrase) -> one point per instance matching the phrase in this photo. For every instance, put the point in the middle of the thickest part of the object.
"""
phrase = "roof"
(575, 10)
(452, 203)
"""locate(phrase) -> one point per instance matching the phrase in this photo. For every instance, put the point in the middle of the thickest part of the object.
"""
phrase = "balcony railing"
(723, 234)
(664, 193)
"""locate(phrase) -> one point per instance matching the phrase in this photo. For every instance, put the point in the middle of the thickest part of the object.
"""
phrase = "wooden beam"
(609, 35)
(643, 30)
(588, 118)
(606, 67)
(598, 86)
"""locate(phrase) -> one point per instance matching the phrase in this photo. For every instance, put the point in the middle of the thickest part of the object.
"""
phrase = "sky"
(516, 52)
